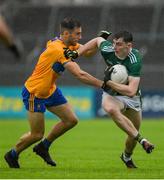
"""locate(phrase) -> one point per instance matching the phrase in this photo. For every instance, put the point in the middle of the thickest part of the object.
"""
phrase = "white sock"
(126, 158)
(141, 142)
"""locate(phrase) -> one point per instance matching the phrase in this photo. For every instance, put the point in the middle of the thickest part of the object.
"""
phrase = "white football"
(119, 74)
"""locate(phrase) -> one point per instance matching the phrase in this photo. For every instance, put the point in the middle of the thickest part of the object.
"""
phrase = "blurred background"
(34, 22)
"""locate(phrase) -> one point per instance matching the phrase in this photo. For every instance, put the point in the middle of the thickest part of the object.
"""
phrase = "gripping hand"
(107, 76)
(107, 73)
(70, 54)
(104, 34)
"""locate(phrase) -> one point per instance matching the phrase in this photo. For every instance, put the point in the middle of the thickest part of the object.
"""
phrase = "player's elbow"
(90, 53)
(131, 93)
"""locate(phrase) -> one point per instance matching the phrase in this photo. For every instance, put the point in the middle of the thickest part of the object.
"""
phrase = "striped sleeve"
(135, 64)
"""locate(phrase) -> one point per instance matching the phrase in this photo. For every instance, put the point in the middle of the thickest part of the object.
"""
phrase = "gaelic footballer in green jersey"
(125, 106)
(132, 62)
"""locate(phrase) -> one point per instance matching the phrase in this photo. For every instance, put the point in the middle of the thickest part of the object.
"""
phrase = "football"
(119, 74)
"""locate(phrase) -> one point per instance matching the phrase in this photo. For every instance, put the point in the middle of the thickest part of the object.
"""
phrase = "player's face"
(121, 47)
(74, 36)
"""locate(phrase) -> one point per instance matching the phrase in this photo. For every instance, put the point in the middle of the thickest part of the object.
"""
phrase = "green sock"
(138, 138)
(127, 154)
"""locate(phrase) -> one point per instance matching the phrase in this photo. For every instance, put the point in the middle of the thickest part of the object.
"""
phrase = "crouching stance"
(121, 101)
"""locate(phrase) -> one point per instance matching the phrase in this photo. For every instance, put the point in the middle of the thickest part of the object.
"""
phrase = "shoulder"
(55, 46)
(134, 56)
(135, 63)
(106, 46)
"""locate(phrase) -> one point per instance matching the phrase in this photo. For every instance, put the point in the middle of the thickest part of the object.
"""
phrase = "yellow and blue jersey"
(50, 65)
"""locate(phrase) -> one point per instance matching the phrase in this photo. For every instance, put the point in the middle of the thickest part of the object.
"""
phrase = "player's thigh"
(134, 116)
(36, 121)
(64, 112)
(109, 102)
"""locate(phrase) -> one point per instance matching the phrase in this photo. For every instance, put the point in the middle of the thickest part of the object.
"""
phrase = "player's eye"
(118, 44)
(79, 33)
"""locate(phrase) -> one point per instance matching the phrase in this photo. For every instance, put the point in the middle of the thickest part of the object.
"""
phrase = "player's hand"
(107, 76)
(14, 49)
(107, 73)
(104, 86)
(104, 34)
(70, 54)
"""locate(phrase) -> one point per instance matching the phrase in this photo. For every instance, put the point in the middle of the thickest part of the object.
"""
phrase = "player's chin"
(74, 43)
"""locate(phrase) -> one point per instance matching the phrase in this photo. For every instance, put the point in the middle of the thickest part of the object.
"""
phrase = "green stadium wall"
(85, 101)
(81, 99)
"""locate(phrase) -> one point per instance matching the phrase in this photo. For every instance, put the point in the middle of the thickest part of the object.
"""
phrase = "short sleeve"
(135, 70)
(135, 63)
(106, 47)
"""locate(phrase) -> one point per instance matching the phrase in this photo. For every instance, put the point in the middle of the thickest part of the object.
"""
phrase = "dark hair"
(127, 36)
(69, 24)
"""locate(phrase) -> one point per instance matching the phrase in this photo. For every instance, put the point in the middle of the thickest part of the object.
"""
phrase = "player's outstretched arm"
(92, 51)
(94, 43)
(88, 49)
(89, 46)
(83, 76)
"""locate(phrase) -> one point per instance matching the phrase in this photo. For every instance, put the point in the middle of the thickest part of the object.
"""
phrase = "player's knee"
(110, 110)
(72, 122)
(38, 136)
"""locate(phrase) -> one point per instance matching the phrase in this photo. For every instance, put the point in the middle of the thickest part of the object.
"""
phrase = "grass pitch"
(89, 151)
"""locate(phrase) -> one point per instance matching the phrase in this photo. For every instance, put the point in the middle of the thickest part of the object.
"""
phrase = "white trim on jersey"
(132, 57)
(107, 49)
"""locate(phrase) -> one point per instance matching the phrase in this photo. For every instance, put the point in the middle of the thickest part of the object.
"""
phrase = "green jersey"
(133, 61)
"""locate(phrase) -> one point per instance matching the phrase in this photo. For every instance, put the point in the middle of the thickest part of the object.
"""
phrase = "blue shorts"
(35, 104)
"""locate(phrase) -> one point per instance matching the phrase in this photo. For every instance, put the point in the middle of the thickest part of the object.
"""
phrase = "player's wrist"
(75, 54)
(103, 85)
(70, 54)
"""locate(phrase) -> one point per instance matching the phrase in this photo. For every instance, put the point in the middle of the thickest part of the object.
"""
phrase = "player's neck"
(121, 57)
(64, 40)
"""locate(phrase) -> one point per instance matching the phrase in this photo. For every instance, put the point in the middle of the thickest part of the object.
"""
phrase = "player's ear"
(129, 44)
(66, 33)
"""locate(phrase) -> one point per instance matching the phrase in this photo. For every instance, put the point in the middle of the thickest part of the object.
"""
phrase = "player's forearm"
(90, 52)
(83, 76)
(90, 80)
(92, 44)
(123, 89)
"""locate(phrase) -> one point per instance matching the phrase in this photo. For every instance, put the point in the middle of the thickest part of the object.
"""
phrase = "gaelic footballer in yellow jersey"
(50, 65)
(40, 93)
